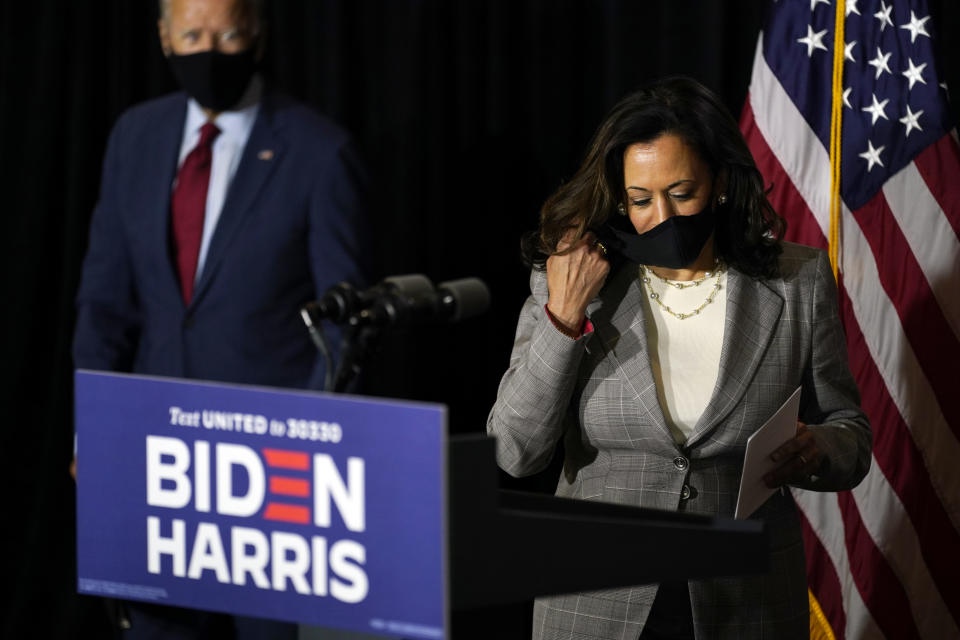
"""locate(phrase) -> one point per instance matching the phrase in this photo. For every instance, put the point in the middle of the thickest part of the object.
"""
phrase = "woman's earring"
(722, 199)
(621, 210)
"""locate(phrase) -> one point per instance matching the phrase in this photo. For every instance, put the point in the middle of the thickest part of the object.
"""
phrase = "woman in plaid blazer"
(668, 321)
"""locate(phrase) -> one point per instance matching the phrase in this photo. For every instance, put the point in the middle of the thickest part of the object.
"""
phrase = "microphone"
(450, 302)
(342, 301)
(395, 301)
(461, 299)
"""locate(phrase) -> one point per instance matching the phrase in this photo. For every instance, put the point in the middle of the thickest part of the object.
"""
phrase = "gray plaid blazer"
(598, 393)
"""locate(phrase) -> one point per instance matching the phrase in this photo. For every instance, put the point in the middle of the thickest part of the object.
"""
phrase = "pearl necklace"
(691, 283)
(717, 270)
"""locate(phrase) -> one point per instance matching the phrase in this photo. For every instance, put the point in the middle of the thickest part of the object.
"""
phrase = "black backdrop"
(468, 113)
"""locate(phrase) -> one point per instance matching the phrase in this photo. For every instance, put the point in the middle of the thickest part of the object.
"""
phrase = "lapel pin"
(265, 154)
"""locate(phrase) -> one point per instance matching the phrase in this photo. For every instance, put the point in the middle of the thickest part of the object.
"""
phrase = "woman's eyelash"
(675, 196)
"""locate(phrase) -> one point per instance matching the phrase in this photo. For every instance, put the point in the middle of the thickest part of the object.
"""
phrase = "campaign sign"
(298, 506)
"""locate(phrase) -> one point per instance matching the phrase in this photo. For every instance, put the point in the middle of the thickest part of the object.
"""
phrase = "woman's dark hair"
(748, 230)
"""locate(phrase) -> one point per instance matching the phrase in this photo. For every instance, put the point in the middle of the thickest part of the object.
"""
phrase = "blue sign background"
(402, 444)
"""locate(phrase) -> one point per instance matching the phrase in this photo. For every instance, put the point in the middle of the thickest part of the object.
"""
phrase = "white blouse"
(685, 353)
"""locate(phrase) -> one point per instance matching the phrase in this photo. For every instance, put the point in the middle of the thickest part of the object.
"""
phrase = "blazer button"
(187, 322)
(685, 492)
(680, 463)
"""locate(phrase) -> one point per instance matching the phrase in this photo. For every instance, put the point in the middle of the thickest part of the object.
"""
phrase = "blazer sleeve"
(831, 400)
(534, 395)
(339, 235)
(108, 320)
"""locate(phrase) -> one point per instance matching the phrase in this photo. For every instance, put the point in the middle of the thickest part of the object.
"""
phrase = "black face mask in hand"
(673, 244)
(215, 80)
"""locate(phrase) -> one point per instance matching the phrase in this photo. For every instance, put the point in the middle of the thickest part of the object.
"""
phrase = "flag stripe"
(931, 238)
(821, 572)
(822, 511)
(881, 591)
(902, 375)
(902, 464)
(879, 506)
(779, 184)
(921, 317)
(937, 161)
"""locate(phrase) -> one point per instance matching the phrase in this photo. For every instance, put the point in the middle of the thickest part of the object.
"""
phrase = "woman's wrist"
(570, 315)
(570, 328)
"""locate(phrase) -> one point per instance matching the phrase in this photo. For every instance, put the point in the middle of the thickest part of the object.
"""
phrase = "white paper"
(756, 463)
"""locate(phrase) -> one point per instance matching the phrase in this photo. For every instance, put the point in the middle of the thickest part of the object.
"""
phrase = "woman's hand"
(798, 458)
(574, 279)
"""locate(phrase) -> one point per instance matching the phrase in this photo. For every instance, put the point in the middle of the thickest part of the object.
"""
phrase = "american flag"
(883, 560)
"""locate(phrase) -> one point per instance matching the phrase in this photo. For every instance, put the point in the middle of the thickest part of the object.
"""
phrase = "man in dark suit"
(282, 221)
(222, 210)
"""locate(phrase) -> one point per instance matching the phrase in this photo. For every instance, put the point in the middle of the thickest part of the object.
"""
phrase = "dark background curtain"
(468, 115)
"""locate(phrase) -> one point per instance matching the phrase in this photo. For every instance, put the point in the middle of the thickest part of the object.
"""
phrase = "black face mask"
(215, 80)
(673, 244)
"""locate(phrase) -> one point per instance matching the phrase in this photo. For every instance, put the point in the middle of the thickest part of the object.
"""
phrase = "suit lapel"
(621, 324)
(261, 154)
(158, 174)
(753, 312)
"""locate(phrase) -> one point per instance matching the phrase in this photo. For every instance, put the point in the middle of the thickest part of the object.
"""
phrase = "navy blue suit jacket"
(292, 224)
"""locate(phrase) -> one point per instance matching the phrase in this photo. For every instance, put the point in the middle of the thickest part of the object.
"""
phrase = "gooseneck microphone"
(400, 301)
(407, 306)
(393, 302)
(342, 301)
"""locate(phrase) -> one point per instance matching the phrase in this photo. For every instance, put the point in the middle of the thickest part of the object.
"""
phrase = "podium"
(508, 546)
(344, 512)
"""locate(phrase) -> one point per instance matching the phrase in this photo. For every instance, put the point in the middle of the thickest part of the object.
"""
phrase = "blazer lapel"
(621, 324)
(261, 154)
(158, 174)
(753, 311)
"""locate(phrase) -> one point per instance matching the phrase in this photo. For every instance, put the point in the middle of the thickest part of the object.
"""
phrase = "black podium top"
(508, 546)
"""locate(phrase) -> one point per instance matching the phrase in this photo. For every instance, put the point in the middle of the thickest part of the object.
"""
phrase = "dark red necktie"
(187, 206)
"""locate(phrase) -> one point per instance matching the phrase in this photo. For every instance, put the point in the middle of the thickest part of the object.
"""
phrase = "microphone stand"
(358, 338)
(322, 343)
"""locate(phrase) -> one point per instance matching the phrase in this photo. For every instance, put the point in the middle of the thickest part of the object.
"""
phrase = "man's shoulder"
(147, 124)
(303, 124)
(171, 105)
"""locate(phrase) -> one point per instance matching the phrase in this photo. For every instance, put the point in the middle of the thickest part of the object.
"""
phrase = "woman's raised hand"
(575, 278)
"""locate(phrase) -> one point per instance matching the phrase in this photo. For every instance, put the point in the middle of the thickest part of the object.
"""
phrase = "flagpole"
(836, 117)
